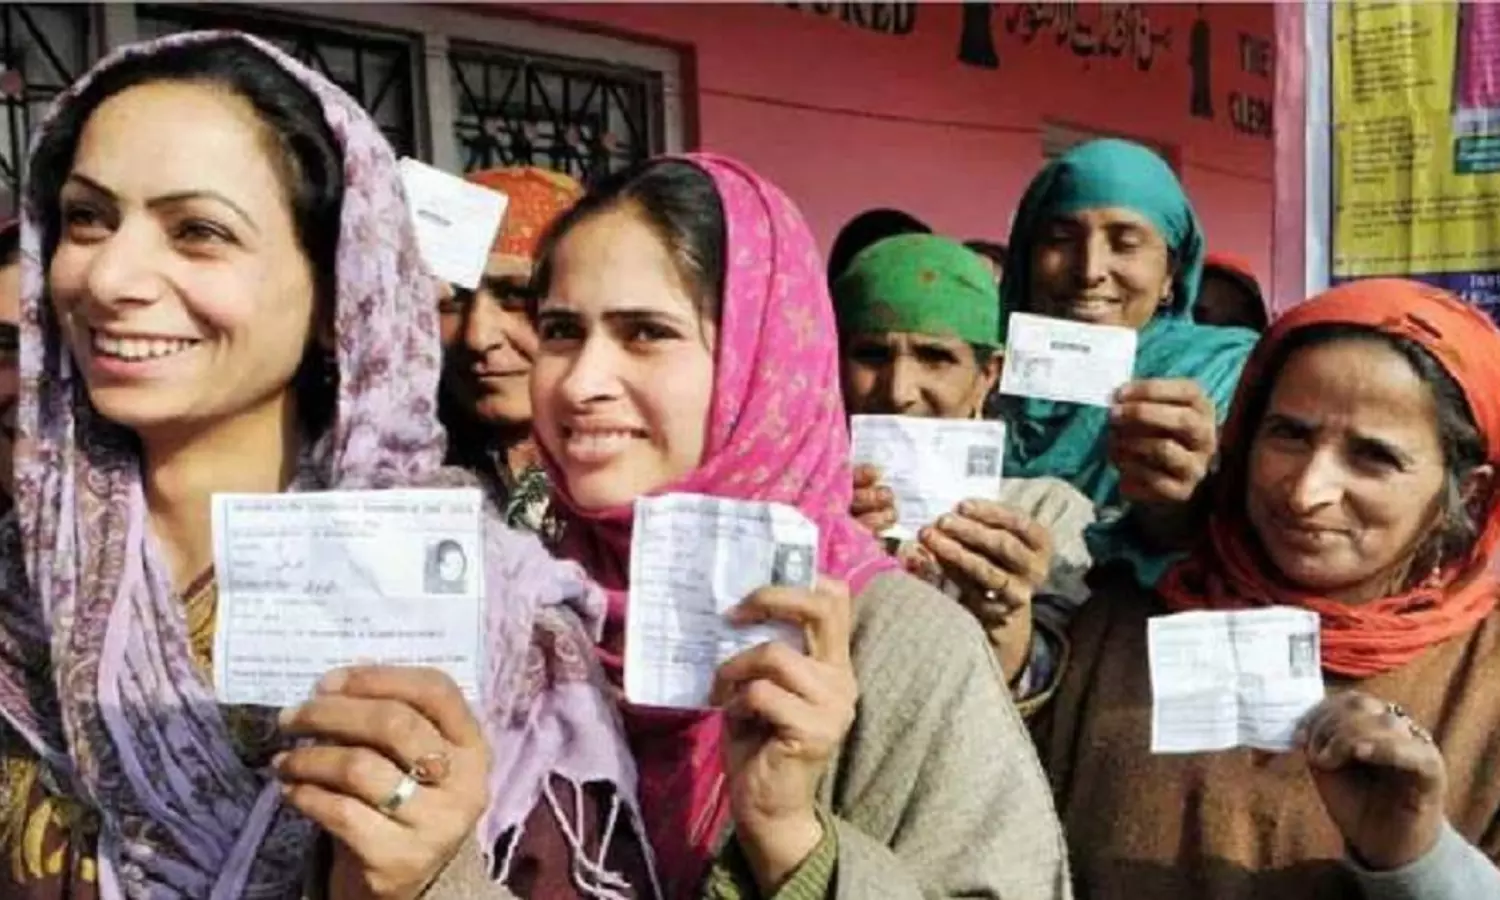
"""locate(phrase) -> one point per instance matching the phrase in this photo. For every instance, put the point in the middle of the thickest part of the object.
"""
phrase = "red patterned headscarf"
(1368, 639)
(537, 197)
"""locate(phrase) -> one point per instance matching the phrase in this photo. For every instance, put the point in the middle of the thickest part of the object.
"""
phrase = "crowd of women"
(220, 291)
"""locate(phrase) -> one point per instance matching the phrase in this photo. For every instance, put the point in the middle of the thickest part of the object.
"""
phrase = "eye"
(202, 232)
(553, 330)
(83, 222)
(935, 357)
(455, 304)
(646, 332)
(1373, 455)
(870, 354)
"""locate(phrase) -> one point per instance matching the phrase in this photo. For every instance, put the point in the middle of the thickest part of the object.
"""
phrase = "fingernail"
(278, 759)
(966, 508)
(332, 682)
(287, 714)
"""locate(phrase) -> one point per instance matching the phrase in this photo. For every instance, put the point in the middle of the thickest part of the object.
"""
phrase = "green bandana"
(922, 284)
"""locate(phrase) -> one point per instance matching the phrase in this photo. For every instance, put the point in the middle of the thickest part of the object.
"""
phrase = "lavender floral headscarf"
(95, 669)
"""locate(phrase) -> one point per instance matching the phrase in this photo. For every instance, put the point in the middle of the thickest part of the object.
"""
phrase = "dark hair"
(867, 228)
(1252, 305)
(304, 150)
(680, 203)
(1464, 448)
(992, 251)
(10, 242)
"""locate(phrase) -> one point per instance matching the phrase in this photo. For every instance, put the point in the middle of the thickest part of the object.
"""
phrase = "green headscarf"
(1068, 441)
(919, 283)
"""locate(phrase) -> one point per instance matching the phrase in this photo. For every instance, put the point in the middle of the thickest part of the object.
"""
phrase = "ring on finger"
(1417, 731)
(402, 793)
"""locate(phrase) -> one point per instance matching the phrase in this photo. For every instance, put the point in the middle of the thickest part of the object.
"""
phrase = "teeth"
(138, 348)
(591, 442)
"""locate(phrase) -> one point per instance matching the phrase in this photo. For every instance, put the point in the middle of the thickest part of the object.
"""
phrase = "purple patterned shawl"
(95, 670)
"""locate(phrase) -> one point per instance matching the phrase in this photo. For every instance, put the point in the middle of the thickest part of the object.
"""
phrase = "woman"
(224, 312)
(687, 344)
(488, 345)
(1359, 482)
(1106, 235)
(1230, 296)
(921, 334)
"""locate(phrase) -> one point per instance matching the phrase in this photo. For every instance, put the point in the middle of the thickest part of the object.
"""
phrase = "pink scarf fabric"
(777, 432)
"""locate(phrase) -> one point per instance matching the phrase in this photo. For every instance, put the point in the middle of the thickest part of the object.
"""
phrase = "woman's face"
(1106, 266)
(624, 371)
(489, 345)
(178, 278)
(909, 374)
(1346, 470)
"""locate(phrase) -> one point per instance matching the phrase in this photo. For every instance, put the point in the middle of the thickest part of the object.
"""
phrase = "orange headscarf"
(537, 197)
(1367, 639)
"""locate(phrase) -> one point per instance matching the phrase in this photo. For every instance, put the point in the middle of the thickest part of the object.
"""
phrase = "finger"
(429, 691)
(352, 771)
(824, 613)
(1161, 457)
(769, 703)
(1191, 427)
(774, 662)
(352, 822)
(1028, 530)
(877, 522)
(1350, 712)
(390, 727)
(872, 498)
(1005, 552)
(866, 475)
(966, 566)
(1169, 391)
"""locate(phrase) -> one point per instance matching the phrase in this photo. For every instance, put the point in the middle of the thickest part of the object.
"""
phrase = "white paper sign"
(1232, 679)
(314, 581)
(692, 559)
(455, 221)
(931, 465)
(1066, 361)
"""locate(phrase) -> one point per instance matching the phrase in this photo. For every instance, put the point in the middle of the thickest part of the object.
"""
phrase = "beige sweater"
(937, 791)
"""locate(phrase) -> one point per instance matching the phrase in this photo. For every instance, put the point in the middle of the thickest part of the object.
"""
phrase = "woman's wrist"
(774, 849)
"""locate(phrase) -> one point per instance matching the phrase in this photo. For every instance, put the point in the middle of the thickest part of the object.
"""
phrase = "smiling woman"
(687, 344)
(225, 311)
(1105, 234)
(1359, 484)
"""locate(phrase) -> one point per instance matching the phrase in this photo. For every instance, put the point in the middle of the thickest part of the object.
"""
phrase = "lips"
(133, 348)
(593, 445)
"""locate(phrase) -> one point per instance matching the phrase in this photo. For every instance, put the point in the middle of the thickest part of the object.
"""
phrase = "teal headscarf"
(1068, 441)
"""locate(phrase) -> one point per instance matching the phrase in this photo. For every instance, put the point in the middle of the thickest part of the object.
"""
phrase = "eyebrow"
(169, 199)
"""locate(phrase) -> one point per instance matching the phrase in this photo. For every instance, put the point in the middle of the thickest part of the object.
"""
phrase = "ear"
(1478, 490)
(1169, 279)
(989, 373)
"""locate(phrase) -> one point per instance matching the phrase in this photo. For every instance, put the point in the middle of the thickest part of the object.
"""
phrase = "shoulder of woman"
(905, 627)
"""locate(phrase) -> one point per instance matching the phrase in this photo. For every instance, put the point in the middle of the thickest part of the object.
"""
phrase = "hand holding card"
(1162, 437)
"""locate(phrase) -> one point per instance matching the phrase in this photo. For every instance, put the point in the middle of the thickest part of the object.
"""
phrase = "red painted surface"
(845, 118)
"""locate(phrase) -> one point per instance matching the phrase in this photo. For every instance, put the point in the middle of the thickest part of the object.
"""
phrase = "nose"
(125, 267)
(593, 375)
(905, 386)
(1317, 482)
(1094, 258)
(482, 331)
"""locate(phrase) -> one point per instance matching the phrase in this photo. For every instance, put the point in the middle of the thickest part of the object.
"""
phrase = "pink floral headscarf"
(95, 668)
(776, 432)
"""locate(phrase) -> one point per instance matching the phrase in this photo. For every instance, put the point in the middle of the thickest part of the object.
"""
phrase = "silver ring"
(404, 790)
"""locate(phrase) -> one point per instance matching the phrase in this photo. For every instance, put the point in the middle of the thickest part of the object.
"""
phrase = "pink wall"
(845, 118)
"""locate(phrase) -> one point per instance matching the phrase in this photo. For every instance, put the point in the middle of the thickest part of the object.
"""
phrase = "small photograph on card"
(1065, 361)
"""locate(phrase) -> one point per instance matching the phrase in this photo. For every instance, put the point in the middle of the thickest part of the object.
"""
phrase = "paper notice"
(930, 464)
(1066, 361)
(1232, 679)
(311, 582)
(455, 221)
(692, 559)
